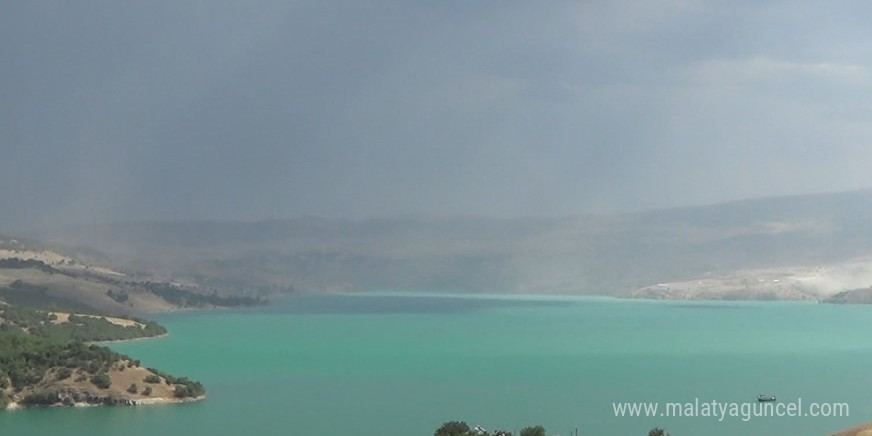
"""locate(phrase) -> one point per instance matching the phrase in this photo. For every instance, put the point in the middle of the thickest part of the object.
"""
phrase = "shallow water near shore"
(402, 364)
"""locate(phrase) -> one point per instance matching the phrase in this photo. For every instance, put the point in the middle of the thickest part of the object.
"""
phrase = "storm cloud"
(258, 110)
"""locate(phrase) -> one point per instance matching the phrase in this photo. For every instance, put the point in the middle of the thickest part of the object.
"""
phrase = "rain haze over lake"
(221, 110)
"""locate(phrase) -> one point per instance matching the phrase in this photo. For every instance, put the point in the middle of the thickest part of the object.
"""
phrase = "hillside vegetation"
(45, 360)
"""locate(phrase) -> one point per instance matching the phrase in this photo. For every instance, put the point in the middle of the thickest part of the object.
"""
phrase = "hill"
(623, 254)
(32, 275)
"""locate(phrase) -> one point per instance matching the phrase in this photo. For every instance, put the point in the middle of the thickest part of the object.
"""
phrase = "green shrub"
(101, 380)
(188, 389)
(41, 398)
(151, 378)
(64, 373)
(181, 391)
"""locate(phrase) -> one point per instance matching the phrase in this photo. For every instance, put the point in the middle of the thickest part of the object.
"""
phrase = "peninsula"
(56, 309)
(46, 360)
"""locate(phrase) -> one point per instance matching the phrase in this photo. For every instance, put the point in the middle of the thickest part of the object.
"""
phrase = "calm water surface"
(400, 365)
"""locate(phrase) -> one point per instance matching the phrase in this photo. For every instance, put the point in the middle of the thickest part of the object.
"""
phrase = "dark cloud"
(178, 110)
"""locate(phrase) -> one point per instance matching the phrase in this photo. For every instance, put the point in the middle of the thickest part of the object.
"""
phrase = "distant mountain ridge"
(602, 254)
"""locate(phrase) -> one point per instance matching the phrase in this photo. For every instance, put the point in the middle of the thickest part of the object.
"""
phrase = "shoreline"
(128, 402)
(116, 341)
(162, 400)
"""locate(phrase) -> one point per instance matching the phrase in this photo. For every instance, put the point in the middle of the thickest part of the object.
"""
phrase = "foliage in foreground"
(460, 428)
(533, 431)
(452, 428)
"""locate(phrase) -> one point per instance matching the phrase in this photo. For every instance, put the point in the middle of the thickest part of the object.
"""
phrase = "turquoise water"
(401, 365)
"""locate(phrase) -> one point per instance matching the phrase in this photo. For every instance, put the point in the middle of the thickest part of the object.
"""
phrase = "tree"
(181, 391)
(533, 431)
(41, 398)
(151, 378)
(133, 388)
(452, 428)
(63, 373)
(101, 380)
(657, 431)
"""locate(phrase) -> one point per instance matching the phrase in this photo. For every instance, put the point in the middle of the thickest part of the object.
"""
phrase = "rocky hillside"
(838, 282)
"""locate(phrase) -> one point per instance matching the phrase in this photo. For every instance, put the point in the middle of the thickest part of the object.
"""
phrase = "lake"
(401, 364)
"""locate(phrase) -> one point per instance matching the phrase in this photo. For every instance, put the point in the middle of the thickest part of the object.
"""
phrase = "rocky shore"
(86, 398)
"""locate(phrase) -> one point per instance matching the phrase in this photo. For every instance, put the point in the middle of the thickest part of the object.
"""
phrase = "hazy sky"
(114, 110)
